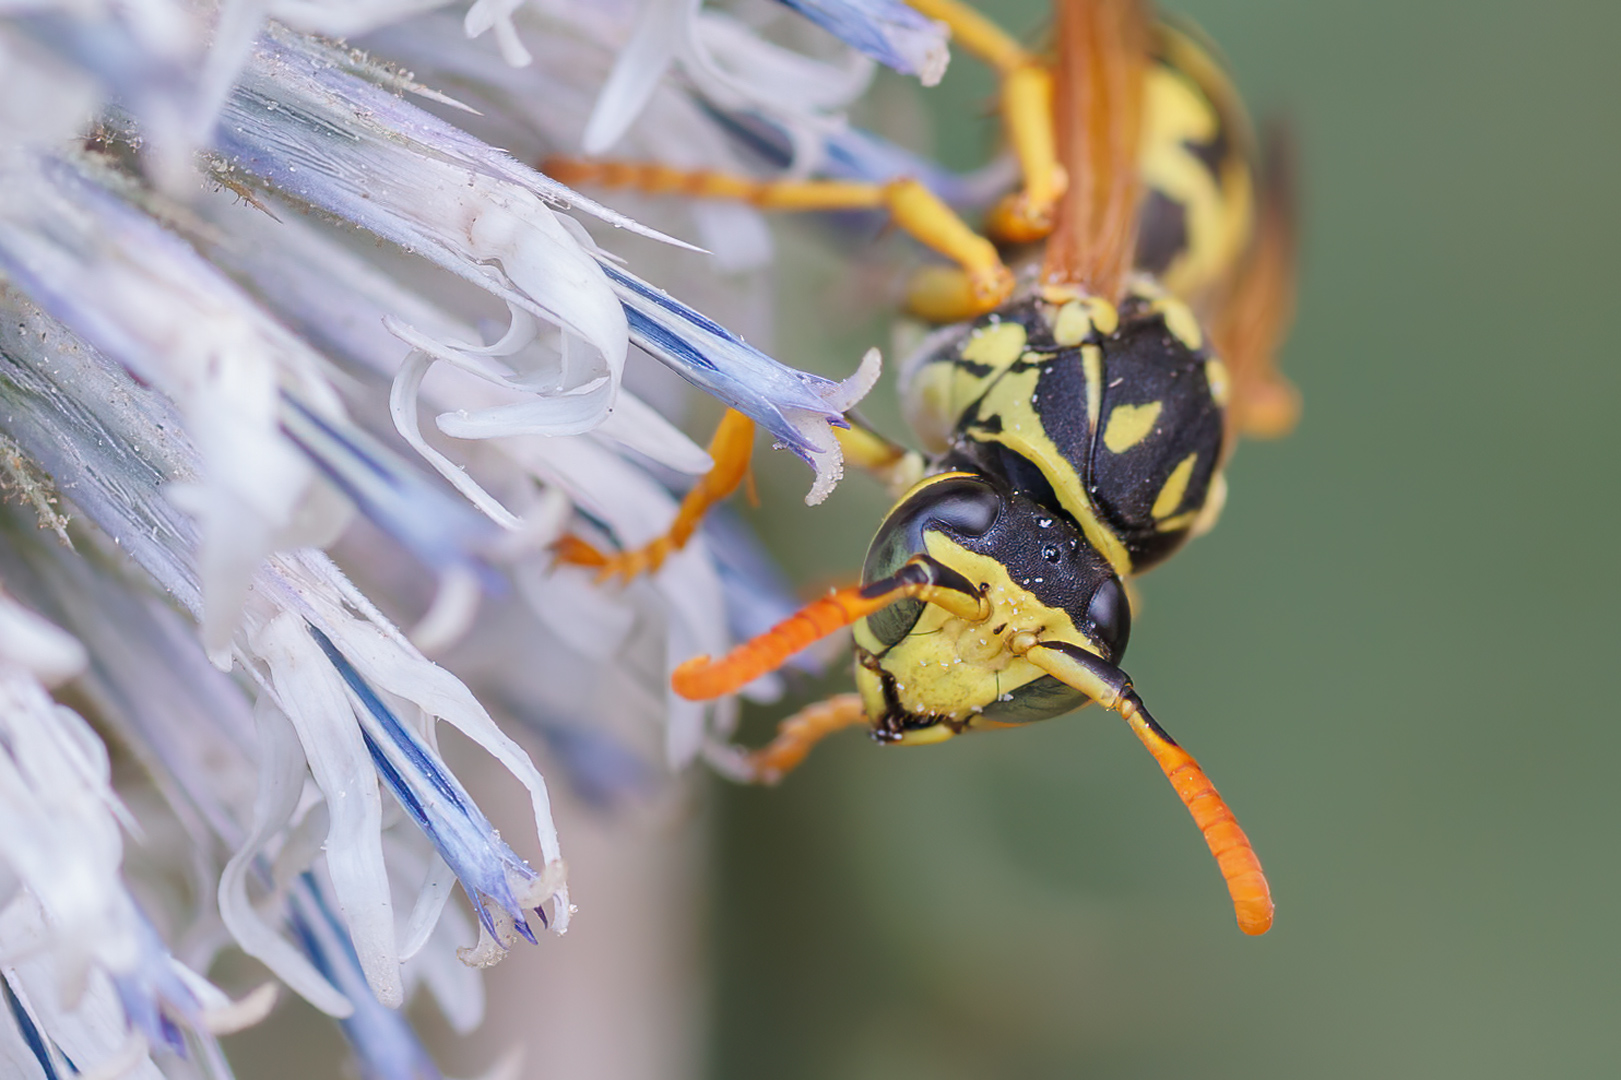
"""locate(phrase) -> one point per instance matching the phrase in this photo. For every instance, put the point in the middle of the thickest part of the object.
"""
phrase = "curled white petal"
(281, 781)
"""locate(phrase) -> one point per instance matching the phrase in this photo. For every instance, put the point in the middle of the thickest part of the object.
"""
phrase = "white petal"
(573, 412)
(32, 643)
(313, 697)
(441, 694)
(641, 64)
(636, 425)
(281, 780)
(437, 886)
(402, 403)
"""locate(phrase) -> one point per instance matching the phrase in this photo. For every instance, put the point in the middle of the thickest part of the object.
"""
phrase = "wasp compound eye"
(1110, 616)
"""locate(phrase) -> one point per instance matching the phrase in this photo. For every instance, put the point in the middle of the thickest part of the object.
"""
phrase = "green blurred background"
(1393, 656)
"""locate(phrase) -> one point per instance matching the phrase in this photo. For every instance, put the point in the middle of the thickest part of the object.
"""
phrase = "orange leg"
(800, 732)
(731, 449)
(920, 578)
(1256, 317)
(979, 283)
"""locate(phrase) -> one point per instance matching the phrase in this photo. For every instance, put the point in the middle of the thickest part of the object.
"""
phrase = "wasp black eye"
(1110, 615)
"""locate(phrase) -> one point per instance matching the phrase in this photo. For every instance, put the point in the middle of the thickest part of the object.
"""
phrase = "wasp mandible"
(1110, 337)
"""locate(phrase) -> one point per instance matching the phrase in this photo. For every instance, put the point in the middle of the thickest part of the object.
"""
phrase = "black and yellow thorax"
(1110, 416)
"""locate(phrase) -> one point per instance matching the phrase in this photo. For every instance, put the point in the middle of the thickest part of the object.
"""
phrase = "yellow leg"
(898, 467)
(731, 449)
(801, 731)
(1027, 114)
(983, 283)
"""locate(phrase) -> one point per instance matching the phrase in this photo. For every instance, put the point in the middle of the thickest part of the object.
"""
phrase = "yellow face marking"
(997, 345)
(1130, 425)
(1180, 321)
(1221, 387)
(1176, 486)
(953, 668)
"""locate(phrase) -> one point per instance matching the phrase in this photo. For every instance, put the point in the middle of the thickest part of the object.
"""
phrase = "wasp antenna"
(919, 578)
(1107, 685)
(1240, 866)
(1098, 99)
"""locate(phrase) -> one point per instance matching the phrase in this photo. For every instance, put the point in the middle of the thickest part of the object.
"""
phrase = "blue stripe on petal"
(441, 531)
(384, 1044)
(886, 30)
(438, 803)
(719, 362)
(30, 1032)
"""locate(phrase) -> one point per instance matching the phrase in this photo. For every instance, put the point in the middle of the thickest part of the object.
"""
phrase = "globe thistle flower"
(261, 291)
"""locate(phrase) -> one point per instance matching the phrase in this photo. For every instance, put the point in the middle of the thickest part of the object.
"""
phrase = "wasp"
(1105, 343)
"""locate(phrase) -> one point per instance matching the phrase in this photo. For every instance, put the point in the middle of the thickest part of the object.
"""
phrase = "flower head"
(262, 295)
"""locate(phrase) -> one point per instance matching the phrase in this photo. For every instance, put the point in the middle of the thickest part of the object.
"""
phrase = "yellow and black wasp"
(1077, 413)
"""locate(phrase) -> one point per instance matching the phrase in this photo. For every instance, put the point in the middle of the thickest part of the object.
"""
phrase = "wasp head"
(926, 674)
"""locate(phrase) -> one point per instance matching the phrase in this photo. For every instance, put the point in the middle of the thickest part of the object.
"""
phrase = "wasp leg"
(981, 282)
(800, 732)
(1027, 115)
(896, 466)
(1253, 322)
(920, 578)
(731, 448)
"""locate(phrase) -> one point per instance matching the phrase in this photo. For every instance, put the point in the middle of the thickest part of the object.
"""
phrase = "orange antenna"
(1108, 686)
(1235, 856)
(1102, 51)
(919, 578)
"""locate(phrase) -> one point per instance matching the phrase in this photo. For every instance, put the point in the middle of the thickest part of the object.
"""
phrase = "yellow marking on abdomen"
(1176, 487)
(1130, 425)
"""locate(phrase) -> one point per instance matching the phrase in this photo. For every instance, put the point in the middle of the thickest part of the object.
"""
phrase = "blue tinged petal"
(321, 134)
(441, 531)
(97, 433)
(437, 802)
(799, 408)
(385, 1046)
(886, 30)
(32, 1037)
